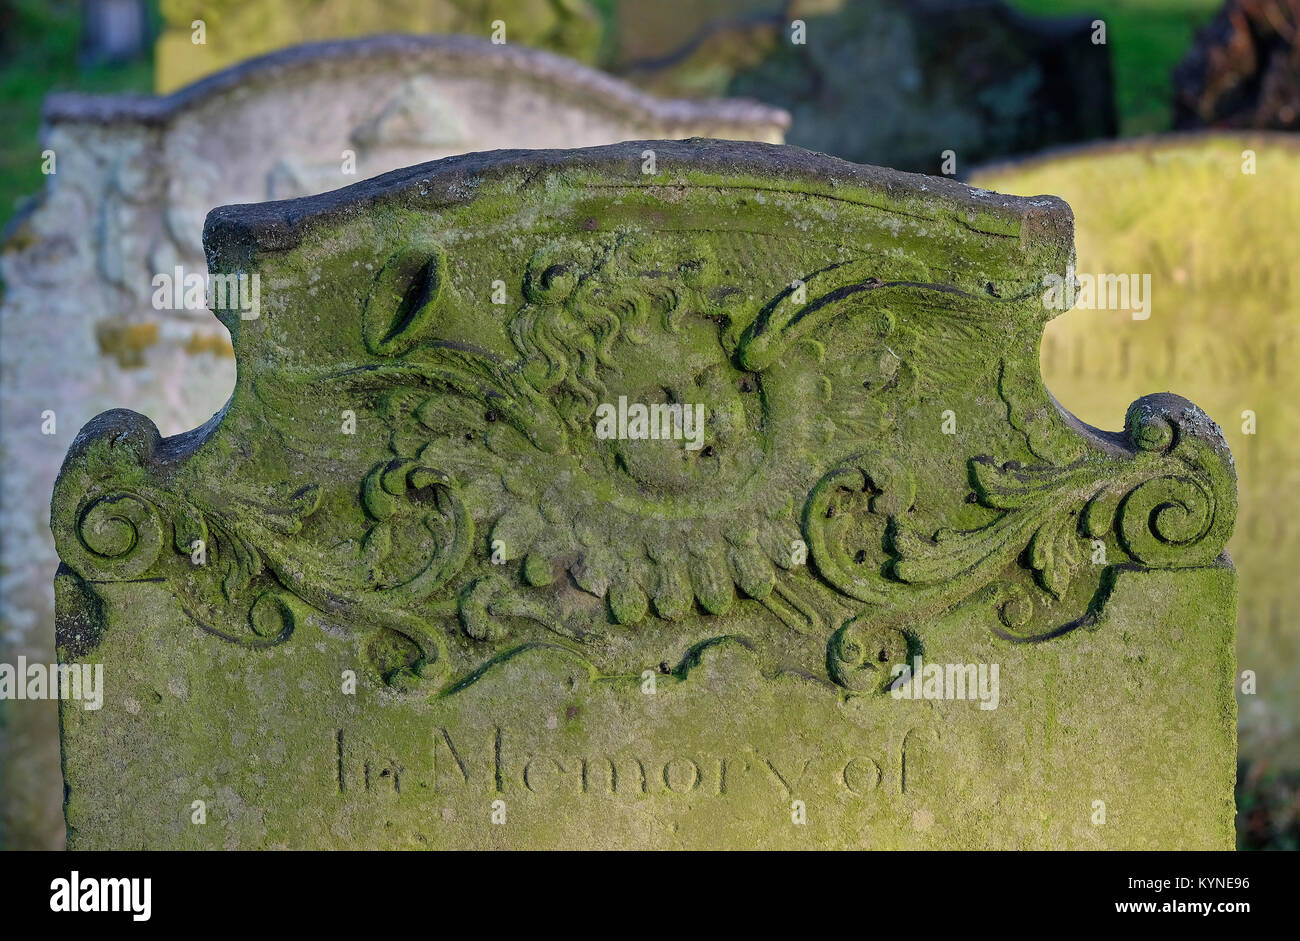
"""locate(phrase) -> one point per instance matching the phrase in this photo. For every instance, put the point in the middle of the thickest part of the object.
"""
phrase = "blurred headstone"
(900, 84)
(907, 83)
(205, 36)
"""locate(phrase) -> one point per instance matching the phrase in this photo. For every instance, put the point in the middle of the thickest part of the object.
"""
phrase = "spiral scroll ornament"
(1165, 499)
(1182, 518)
(861, 655)
(120, 534)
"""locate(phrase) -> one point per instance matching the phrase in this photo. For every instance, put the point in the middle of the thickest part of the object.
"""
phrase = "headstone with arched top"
(666, 494)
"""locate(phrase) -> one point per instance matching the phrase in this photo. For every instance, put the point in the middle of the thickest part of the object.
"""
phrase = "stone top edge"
(455, 54)
(235, 232)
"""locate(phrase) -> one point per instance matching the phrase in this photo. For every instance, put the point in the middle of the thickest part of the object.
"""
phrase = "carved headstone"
(562, 503)
(1218, 322)
(133, 181)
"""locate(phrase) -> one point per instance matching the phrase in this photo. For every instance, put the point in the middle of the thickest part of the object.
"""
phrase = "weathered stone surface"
(136, 176)
(1243, 70)
(897, 82)
(235, 30)
(634, 642)
(1221, 326)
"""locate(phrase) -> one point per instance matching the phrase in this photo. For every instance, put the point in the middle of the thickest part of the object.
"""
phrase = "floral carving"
(492, 515)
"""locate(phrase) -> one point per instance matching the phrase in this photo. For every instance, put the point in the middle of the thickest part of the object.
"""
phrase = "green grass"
(1147, 39)
(38, 54)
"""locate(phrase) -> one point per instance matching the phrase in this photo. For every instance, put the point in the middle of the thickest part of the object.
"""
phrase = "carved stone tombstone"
(96, 309)
(561, 503)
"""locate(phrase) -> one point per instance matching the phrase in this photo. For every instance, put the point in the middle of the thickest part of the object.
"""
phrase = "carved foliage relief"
(876, 449)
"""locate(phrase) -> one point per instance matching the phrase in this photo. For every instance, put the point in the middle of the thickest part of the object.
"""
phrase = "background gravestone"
(1223, 327)
(631, 642)
(134, 180)
(890, 82)
(235, 30)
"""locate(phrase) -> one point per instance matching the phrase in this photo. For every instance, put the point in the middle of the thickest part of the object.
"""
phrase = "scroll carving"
(494, 516)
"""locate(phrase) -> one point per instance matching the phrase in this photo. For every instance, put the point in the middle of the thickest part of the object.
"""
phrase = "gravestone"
(134, 178)
(1220, 324)
(432, 580)
(235, 30)
(892, 82)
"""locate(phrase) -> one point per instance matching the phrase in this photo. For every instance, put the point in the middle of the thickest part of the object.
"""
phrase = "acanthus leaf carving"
(478, 511)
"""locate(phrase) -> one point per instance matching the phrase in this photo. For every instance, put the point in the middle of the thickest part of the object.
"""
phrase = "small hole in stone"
(707, 452)
(861, 556)
(490, 415)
